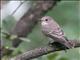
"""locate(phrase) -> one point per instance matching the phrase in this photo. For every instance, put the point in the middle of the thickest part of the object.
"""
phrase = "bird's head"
(46, 20)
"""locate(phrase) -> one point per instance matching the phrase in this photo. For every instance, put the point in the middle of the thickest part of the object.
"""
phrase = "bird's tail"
(68, 43)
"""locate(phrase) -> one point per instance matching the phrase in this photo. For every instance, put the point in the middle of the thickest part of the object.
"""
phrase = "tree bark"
(42, 51)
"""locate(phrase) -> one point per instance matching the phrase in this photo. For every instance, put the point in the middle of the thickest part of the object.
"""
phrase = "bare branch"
(41, 51)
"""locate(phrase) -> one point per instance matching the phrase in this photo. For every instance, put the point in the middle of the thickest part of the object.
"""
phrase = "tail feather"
(67, 43)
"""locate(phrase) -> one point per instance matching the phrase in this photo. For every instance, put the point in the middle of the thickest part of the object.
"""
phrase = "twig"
(41, 51)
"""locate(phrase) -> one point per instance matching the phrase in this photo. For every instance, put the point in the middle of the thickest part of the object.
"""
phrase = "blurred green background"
(67, 14)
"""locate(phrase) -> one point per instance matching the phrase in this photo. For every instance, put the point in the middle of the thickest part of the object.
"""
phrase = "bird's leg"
(51, 41)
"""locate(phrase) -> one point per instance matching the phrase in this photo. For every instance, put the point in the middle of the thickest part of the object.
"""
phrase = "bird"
(51, 29)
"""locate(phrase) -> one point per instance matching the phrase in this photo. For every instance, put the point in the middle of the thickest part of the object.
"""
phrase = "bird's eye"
(46, 19)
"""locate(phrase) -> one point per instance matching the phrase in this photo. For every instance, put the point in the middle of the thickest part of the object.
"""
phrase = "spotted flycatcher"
(52, 30)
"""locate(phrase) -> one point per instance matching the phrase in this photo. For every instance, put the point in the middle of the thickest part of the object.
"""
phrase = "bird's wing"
(60, 38)
(58, 33)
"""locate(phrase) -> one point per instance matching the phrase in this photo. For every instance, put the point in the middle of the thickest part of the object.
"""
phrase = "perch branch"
(41, 51)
